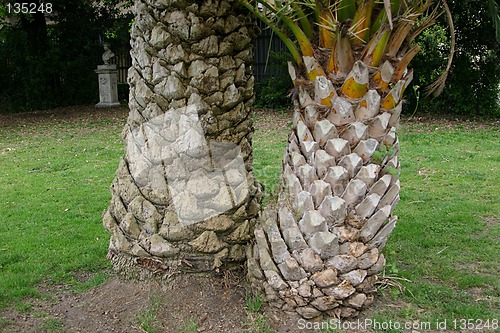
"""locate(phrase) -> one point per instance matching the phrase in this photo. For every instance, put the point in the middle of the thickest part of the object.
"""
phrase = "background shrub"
(274, 91)
(48, 59)
(473, 84)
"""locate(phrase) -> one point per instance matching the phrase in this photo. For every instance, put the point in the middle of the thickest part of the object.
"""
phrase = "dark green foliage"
(472, 87)
(274, 92)
(48, 60)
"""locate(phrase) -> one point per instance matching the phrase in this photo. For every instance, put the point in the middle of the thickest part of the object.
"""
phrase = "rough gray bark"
(191, 88)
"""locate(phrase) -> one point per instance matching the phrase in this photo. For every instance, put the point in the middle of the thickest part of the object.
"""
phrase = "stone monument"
(108, 81)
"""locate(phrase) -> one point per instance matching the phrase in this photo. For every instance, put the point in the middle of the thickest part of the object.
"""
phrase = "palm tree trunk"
(318, 250)
(185, 197)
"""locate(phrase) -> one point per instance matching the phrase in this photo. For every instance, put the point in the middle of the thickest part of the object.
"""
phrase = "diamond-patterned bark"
(191, 88)
(340, 187)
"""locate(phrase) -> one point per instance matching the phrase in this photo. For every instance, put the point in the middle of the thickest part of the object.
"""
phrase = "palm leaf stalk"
(318, 250)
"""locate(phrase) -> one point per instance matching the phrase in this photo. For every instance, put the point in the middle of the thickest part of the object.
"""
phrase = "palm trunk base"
(300, 281)
(127, 267)
(185, 197)
(131, 267)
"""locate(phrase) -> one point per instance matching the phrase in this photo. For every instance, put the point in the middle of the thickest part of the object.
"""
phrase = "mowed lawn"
(56, 169)
(55, 173)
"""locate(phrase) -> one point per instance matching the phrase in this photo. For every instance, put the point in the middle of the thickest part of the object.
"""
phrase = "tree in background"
(319, 250)
(48, 57)
(473, 83)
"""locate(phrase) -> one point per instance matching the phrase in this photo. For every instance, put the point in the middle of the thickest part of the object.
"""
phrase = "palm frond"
(373, 31)
(428, 21)
(346, 10)
(277, 30)
(388, 12)
(436, 88)
(303, 20)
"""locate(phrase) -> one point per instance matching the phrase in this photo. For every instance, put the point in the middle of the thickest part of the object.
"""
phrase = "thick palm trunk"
(318, 250)
(185, 197)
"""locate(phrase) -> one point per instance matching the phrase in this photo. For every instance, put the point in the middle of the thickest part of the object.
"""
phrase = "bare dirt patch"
(185, 304)
(121, 306)
(491, 222)
(270, 120)
(70, 114)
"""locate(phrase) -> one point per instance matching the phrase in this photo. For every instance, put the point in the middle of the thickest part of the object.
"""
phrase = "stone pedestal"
(108, 86)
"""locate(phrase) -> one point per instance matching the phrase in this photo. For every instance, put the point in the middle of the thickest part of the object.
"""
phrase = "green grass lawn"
(54, 185)
(55, 174)
(447, 241)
